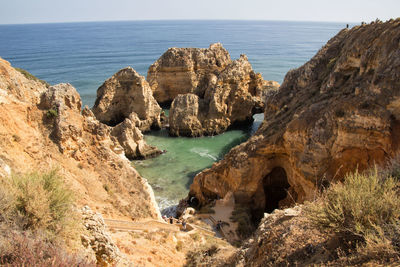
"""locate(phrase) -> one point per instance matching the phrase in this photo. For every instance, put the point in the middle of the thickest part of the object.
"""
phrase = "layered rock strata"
(231, 97)
(186, 70)
(338, 112)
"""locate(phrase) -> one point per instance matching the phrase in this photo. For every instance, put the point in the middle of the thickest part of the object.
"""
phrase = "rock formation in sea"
(186, 70)
(338, 112)
(222, 92)
(127, 92)
(125, 102)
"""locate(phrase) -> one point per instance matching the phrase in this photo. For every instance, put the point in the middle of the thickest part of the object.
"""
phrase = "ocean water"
(86, 54)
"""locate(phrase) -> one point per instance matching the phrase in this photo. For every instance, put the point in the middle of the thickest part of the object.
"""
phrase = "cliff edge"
(338, 112)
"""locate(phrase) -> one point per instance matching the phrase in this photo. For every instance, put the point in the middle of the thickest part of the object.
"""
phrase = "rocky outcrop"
(127, 92)
(125, 103)
(184, 116)
(231, 97)
(338, 112)
(131, 139)
(42, 128)
(228, 92)
(63, 105)
(99, 240)
(186, 70)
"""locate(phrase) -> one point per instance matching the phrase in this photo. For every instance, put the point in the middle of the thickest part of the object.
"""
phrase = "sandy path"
(223, 211)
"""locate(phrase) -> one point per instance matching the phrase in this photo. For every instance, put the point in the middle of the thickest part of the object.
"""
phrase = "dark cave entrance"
(275, 186)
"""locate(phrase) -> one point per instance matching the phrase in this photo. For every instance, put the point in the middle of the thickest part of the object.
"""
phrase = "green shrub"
(38, 222)
(201, 256)
(29, 76)
(359, 206)
(43, 202)
(331, 63)
(51, 113)
(365, 211)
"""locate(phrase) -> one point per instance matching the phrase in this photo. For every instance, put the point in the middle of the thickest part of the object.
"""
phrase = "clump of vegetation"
(44, 201)
(365, 211)
(52, 113)
(331, 62)
(242, 216)
(201, 256)
(29, 76)
(30, 250)
(38, 208)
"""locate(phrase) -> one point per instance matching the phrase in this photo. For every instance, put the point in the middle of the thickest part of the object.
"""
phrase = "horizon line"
(149, 20)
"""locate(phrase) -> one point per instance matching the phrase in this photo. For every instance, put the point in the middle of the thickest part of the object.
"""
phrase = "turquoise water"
(172, 173)
(86, 54)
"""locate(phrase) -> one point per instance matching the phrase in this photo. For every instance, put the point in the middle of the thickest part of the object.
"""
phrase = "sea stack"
(186, 70)
(125, 102)
(222, 92)
(127, 92)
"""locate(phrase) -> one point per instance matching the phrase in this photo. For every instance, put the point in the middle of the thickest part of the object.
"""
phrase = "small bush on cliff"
(364, 210)
(51, 113)
(39, 202)
(37, 220)
(29, 76)
(32, 250)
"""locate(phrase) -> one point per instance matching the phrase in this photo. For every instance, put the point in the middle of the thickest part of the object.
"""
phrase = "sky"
(47, 11)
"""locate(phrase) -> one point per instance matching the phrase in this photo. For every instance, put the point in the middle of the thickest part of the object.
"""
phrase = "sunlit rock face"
(228, 92)
(338, 112)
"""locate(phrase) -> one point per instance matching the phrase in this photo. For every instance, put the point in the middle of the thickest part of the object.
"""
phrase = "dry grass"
(364, 210)
(44, 202)
(33, 250)
(201, 256)
(37, 221)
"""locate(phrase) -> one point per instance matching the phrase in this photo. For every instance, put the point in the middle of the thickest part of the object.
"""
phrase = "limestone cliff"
(231, 97)
(43, 128)
(337, 112)
(186, 70)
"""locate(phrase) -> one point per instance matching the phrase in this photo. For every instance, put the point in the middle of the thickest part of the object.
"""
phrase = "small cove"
(171, 173)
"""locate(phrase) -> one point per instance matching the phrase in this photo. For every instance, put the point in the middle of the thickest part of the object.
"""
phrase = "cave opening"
(275, 186)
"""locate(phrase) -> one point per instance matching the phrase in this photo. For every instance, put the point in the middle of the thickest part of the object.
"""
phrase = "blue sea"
(86, 54)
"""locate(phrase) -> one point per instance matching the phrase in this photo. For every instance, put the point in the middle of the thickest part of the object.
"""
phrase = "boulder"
(131, 139)
(98, 239)
(186, 70)
(338, 112)
(127, 92)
